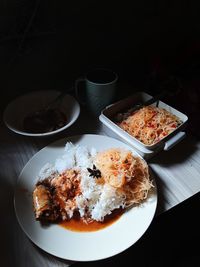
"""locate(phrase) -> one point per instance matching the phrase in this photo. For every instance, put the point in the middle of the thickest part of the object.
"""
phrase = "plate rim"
(66, 139)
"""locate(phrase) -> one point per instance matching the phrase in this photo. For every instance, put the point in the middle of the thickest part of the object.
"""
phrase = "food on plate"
(43, 202)
(149, 124)
(43, 121)
(91, 184)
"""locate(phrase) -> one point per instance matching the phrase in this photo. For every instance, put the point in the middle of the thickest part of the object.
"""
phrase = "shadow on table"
(47, 257)
(86, 124)
(169, 241)
(178, 154)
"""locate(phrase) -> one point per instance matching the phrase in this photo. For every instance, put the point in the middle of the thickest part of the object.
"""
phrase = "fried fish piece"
(44, 207)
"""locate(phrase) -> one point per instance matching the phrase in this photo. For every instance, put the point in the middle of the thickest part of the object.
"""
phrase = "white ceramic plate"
(22, 106)
(79, 246)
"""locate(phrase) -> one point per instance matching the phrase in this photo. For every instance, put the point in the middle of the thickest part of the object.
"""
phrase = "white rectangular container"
(146, 151)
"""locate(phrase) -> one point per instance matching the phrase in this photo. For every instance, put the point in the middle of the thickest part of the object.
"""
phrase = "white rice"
(68, 159)
(97, 199)
(108, 201)
(47, 171)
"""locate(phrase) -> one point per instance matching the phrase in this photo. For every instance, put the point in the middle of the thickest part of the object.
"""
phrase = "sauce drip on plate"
(78, 225)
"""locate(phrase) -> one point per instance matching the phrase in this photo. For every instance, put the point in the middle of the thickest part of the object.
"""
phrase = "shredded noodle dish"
(91, 183)
(149, 124)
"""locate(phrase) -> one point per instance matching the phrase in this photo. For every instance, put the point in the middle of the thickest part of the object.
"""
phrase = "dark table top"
(171, 240)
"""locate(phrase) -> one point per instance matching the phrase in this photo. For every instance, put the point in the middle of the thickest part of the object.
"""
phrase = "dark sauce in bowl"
(43, 121)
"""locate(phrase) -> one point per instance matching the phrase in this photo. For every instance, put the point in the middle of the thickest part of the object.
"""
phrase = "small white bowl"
(22, 106)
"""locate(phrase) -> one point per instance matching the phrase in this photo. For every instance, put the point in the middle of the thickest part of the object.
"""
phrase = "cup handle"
(80, 95)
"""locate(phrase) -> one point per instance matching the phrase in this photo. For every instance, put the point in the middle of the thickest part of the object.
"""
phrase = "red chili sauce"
(78, 225)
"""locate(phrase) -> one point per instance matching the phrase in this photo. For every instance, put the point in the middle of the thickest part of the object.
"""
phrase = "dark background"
(48, 44)
(150, 44)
